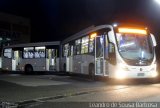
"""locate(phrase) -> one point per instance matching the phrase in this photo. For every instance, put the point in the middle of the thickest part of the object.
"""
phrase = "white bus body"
(42, 56)
(116, 52)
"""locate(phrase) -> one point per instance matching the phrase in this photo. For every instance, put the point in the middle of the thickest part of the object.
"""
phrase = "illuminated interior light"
(128, 30)
(28, 48)
(93, 35)
(40, 48)
(115, 25)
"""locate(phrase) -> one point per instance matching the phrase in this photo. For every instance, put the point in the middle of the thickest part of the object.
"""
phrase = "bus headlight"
(154, 74)
(121, 72)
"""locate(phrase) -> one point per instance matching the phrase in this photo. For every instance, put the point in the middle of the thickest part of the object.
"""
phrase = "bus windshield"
(135, 46)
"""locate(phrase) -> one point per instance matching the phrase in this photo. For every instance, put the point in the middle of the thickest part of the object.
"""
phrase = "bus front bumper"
(119, 74)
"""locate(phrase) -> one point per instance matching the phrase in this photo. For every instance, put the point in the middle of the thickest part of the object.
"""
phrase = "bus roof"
(33, 44)
(85, 32)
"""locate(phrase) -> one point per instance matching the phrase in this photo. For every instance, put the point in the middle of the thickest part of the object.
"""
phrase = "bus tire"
(28, 69)
(91, 71)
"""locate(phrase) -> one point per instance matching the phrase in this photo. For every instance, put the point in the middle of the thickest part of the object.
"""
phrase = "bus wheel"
(28, 69)
(91, 71)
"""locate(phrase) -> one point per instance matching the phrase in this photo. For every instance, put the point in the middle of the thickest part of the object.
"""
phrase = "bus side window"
(31, 55)
(66, 50)
(63, 52)
(106, 43)
(91, 45)
(106, 48)
(99, 46)
(28, 52)
(25, 54)
(84, 45)
(20, 54)
(7, 53)
(72, 50)
(69, 50)
(53, 54)
(112, 54)
(78, 46)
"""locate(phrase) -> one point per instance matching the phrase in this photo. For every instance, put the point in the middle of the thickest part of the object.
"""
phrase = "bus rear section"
(31, 57)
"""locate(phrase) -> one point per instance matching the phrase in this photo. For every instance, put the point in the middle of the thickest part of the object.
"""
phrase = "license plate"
(140, 74)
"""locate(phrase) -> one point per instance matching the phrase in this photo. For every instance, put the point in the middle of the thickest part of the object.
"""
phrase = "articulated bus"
(42, 56)
(112, 51)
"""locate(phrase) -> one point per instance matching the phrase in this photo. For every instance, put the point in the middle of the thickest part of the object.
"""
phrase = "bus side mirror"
(153, 40)
(112, 54)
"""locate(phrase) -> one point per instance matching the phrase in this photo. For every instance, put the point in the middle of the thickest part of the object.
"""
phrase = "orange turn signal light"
(129, 30)
(93, 35)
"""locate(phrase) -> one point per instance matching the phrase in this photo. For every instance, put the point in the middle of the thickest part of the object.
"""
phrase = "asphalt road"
(46, 91)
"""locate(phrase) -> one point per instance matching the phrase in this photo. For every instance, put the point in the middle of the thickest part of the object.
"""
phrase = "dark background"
(53, 20)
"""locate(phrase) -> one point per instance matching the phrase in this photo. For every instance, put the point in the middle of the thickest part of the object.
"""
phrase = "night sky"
(53, 20)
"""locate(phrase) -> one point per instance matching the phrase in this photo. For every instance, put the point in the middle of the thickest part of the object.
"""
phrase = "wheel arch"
(28, 65)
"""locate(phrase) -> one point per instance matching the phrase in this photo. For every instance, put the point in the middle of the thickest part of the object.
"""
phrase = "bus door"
(67, 63)
(67, 57)
(7, 59)
(71, 59)
(99, 55)
(51, 59)
(15, 60)
(106, 56)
